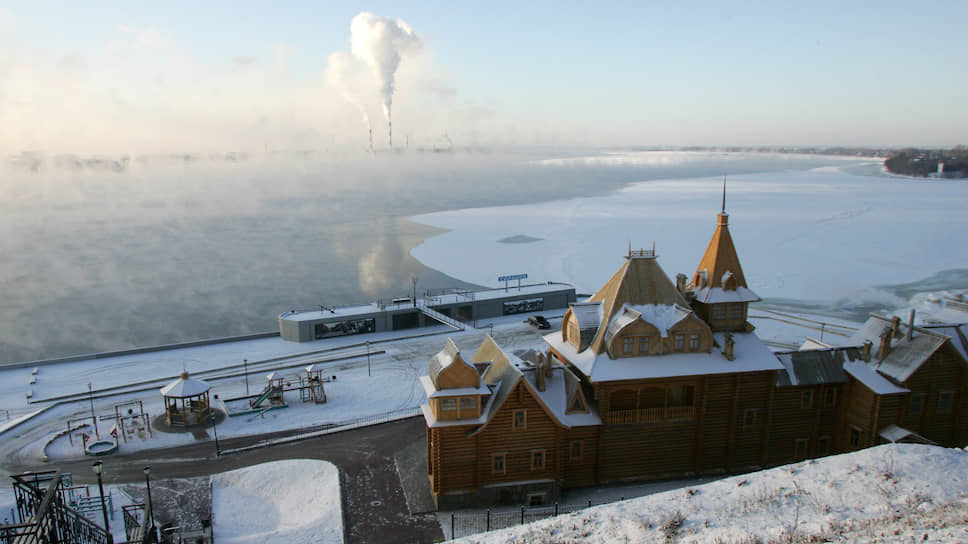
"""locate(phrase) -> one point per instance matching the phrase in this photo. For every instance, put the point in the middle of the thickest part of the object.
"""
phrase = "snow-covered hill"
(891, 493)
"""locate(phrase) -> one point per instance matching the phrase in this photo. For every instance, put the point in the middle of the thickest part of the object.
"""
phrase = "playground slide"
(262, 398)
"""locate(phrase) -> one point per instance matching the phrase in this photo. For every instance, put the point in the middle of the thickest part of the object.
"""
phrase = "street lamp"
(215, 430)
(368, 358)
(245, 372)
(98, 467)
(151, 509)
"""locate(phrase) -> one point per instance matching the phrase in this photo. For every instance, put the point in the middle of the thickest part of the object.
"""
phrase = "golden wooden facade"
(675, 425)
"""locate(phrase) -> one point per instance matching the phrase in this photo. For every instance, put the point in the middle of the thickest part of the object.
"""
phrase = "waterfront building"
(651, 379)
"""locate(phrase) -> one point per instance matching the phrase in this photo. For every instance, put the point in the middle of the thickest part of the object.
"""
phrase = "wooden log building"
(650, 379)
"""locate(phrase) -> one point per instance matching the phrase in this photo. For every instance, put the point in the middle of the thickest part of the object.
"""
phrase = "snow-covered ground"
(394, 370)
(829, 235)
(296, 500)
(891, 493)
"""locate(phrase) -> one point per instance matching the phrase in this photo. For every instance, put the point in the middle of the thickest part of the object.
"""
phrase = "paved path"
(374, 506)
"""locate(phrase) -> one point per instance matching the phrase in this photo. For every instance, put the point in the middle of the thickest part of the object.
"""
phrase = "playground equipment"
(313, 389)
(130, 423)
(273, 393)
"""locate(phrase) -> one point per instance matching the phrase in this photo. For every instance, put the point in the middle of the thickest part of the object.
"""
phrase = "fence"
(469, 523)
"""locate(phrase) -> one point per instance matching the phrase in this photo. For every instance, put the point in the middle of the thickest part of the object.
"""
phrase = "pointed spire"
(630, 249)
(724, 194)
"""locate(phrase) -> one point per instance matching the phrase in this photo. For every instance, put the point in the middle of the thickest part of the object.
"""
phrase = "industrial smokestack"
(381, 42)
(371, 140)
(390, 129)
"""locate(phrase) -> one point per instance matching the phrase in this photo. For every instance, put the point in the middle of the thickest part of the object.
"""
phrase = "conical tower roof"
(639, 282)
(719, 270)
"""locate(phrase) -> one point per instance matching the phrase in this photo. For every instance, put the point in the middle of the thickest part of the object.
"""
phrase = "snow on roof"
(273, 376)
(812, 343)
(751, 356)
(661, 316)
(958, 335)
(718, 295)
(871, 379)
(905, 356)
(432, 392)
(811, 367)
(446, 357)
(555, 398)
(328, 313)
(893, 433)
(185, 387)
(587, 314)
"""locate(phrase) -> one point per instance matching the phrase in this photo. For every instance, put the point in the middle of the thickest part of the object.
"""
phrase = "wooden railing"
(646, 415)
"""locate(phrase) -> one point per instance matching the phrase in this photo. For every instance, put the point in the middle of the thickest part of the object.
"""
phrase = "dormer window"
(736, 311)
(448, 405)
(628, 345)
(719, 311)
(679, 342)
(693, 342)
(643, 345)
(729, 281)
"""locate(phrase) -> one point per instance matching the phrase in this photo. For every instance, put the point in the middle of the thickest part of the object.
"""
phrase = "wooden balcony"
(649, 415)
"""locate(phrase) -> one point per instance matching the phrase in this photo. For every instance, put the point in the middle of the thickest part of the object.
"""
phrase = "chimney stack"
(728, 347)
(680, 282)
(539, 376)
(896, 327)
(548, 364)
(885, 346)
(865, 352)
(910, 331)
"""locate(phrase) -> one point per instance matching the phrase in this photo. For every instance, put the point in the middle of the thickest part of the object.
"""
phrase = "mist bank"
(169, 251)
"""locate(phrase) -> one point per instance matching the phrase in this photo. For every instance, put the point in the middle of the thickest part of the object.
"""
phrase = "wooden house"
(527, 439)
(652, 379)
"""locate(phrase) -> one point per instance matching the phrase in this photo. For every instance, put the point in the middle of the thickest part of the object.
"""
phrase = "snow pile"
(888, 493)
(285, 501)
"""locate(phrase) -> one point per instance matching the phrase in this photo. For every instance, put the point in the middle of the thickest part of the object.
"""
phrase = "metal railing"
(44, 515)
(470, 523)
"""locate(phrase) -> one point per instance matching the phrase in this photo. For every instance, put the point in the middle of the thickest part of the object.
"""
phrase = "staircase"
(430, 312)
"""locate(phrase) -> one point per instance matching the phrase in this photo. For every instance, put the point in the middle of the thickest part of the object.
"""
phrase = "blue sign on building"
(513, 277)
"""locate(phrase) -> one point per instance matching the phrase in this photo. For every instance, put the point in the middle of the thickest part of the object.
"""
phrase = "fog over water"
(112, 254)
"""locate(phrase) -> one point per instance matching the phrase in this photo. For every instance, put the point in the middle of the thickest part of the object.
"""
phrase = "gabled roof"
(905, 356)
(719, 264)
(639, 282)
(866, 375)
(448, 356)
(958, 335)
(814, 366)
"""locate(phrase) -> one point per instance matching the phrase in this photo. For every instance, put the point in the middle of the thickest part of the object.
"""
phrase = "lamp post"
(215, 431)
(245, 372)
(368, 373)
(151, 509)
(98, 467)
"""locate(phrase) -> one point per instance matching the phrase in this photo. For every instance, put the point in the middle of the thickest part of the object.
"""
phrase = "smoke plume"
(340, 70)
(380, 42)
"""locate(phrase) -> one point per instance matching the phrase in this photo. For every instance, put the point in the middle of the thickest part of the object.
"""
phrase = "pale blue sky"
(641, 73)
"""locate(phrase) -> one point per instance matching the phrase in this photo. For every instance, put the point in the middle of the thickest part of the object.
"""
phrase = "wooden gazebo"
(186, 401)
